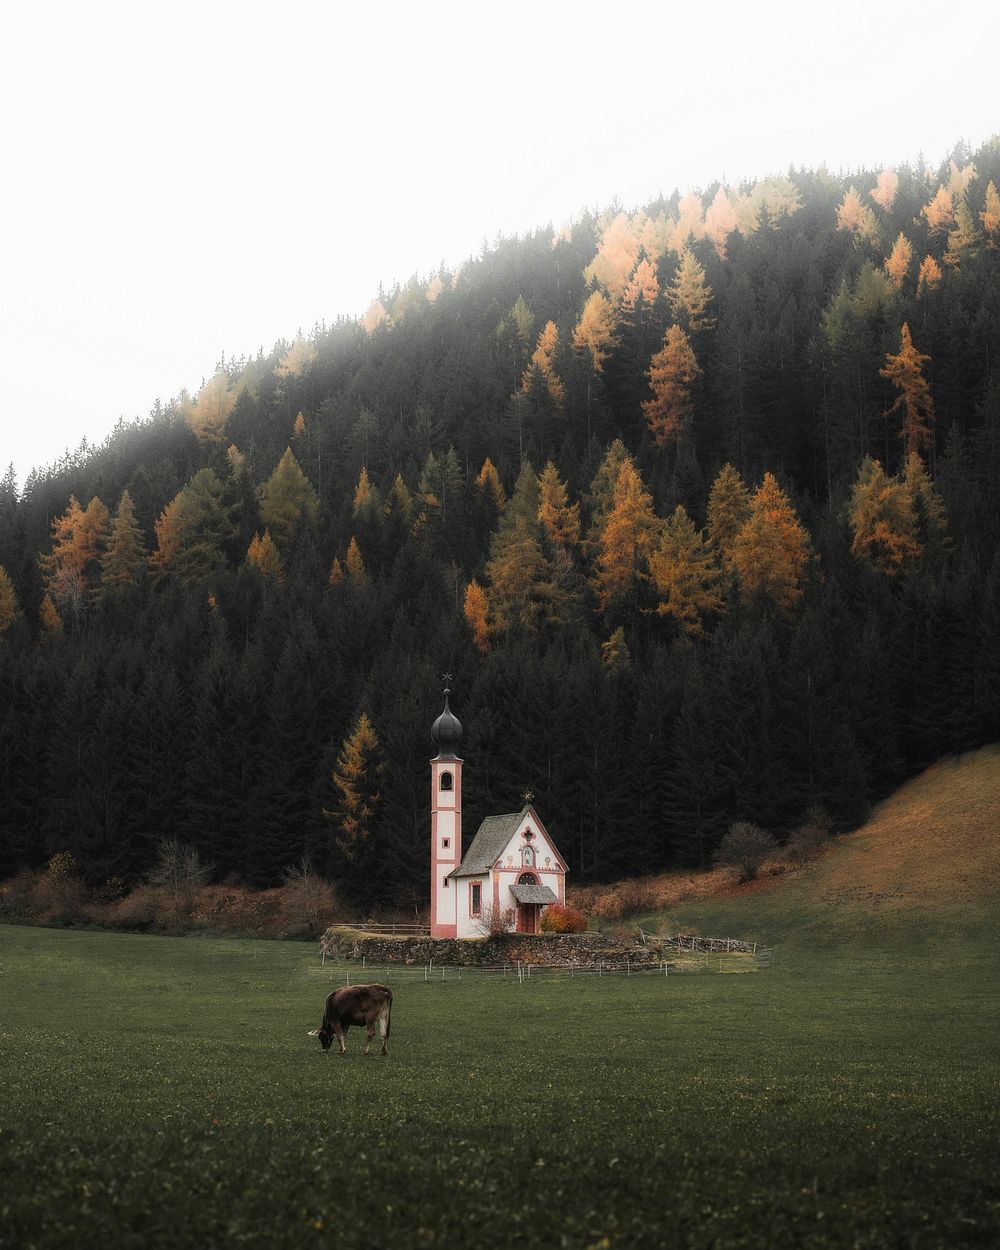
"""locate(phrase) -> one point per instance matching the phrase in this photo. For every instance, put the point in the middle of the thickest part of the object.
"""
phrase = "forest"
(698, 504)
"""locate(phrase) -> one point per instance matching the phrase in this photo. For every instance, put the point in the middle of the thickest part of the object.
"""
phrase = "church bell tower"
(446, 821)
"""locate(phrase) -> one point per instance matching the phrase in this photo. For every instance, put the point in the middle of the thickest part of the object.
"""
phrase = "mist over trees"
(699, 504)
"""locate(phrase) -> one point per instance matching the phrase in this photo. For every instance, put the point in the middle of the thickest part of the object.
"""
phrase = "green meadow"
(163, 1092)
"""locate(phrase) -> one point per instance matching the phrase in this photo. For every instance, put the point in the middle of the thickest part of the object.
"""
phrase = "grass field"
(159, 1092)
(163, 1092)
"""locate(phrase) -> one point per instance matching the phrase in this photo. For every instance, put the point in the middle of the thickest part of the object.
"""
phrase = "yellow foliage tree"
(990, 216)
(906, 372)
(543, 366)
(881, 519)
(50, 620)
(489, 484)
(720, 221)
(476, 609)
(685, 574)
(884, 192)
(641, 286)
(672, 372)
(616, 257)
(375, 315)
(963, 238)
(728, 510)
(630, 534)
(929, 275)
(208, 413)
(559, 518)
(689, 294)
(357, 779)
(690, 223)
(287, 498)
(900, 259)
(771, 551)
(940, 212)
(595, 331)
(855, 216)
(263, 555)
(297, 360)
(71, 571)
(354, 562)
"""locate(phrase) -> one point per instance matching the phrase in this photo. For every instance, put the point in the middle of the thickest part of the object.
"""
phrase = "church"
(509, 874)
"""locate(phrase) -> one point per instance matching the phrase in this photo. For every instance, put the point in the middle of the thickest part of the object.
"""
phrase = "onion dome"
(446, 732)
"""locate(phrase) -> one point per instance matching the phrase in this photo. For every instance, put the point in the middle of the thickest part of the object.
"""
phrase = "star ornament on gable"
(528, 796)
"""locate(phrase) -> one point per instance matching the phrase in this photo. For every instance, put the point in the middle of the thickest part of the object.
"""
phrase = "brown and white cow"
(356, 1004)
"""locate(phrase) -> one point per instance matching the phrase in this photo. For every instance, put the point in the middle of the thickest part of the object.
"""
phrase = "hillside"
(926, 866)
(698, 503)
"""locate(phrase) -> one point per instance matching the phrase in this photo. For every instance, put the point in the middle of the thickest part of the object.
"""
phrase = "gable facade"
(511, 871)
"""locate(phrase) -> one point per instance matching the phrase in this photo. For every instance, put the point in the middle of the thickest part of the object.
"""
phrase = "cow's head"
(325, 1035)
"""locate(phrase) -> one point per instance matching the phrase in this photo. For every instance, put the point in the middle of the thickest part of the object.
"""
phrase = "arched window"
(528, 856)
(527, 878)
(446, 782)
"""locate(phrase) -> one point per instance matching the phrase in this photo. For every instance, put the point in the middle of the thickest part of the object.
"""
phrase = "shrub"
(558, 918)
(805, 844)
(179, 868)
(745, 846)
(495, 921)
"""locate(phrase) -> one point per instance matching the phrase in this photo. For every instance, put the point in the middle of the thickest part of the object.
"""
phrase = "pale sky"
(187, 180)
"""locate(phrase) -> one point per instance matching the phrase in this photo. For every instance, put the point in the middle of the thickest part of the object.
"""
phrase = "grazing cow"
(356, 1004)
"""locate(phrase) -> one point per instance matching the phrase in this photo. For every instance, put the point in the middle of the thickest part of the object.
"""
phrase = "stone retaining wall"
(511, 948)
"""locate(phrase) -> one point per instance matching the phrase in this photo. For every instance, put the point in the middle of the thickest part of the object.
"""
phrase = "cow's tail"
(387, 1011)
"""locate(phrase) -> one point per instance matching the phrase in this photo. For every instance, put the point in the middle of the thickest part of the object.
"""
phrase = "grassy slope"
(923, 873)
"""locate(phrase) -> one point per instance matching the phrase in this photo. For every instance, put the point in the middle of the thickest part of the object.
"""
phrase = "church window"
(446, 781)
(445, 843)
(527, 878)
(476, 898)
(445, 879)
(528, 856)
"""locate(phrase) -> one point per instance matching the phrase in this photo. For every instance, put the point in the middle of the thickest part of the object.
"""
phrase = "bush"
(745, 846)
(558, 918)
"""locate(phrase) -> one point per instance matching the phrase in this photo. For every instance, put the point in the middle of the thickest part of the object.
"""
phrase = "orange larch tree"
(689, 294)
(728, 510)
(595, 331)
(672, 373)
(685, 574)
(990, 216)
(771, 551)
(940, 212)
(884, 191)
(630, 534)
(559, 518)
(641, 286)
(720, 221)
(897, 266)
(543, 366)
(476, 608)
(906, 372)
(929, 275)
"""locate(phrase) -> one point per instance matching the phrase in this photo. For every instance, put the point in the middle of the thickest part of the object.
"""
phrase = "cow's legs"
(338, 1032)
(382, 1031)
(371, 1034)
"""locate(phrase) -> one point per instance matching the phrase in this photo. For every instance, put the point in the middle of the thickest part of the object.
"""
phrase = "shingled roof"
(490, 842)
(533, 894)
